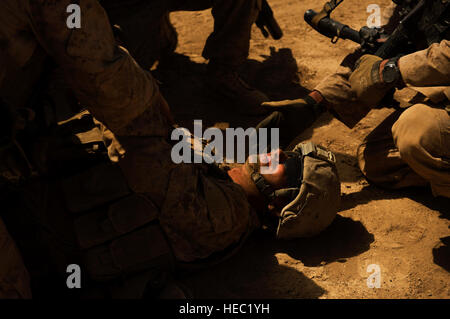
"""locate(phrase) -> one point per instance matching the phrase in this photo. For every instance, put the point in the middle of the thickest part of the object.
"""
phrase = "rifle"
(266, 20)
(429, 18)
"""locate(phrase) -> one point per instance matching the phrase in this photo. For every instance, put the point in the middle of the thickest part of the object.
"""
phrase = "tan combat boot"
(227, 82)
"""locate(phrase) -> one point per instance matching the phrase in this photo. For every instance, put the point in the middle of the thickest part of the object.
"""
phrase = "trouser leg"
(380, 161)
(233, 19)
(144, 28)
(409, 149)
(340, 98)
(422, 135)
(230, 41)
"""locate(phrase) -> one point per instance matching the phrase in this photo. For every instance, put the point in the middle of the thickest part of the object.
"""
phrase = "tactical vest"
(117, 230)
(123, 248)
(118, 234)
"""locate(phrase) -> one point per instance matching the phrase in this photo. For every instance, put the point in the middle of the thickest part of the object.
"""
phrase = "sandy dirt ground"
(400, 232)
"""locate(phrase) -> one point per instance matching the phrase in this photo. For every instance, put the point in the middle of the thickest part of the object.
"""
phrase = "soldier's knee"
(416, 132)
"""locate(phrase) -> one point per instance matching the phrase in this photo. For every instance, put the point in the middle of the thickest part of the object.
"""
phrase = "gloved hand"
(373, 78)
(292, 117)
(285, 104)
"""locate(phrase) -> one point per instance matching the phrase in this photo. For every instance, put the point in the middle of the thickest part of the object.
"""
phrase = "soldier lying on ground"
(412, 146)
(99, 188)
(146, 31)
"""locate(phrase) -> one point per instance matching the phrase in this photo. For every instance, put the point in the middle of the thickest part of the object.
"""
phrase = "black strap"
(295, 170)
(264, 188)
(313, 150)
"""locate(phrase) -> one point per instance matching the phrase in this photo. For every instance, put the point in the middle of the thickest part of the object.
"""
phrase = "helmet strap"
(261, 184)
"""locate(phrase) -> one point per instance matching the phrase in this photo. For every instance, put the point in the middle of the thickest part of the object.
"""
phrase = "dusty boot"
(227, 82)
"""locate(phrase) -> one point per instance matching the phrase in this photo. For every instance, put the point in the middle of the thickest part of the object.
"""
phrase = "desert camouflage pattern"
(200, 212)
(102, 74)
(428, 71)
(409, 148)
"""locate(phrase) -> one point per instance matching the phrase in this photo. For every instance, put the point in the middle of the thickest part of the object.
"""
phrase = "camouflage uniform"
(410, 148)
(228, 44)
(14, 278)
(199, 212)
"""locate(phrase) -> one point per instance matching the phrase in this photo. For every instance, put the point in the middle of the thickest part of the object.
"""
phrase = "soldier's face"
(277, 177)
(274, 160)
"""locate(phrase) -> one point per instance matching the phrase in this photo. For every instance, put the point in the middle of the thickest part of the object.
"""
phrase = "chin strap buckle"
(313, 150)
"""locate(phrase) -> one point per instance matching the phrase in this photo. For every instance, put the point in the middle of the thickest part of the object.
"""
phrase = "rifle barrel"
(332, 28)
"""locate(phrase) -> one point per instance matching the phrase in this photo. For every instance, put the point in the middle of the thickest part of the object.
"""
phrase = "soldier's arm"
(429, 67)
(102, 74)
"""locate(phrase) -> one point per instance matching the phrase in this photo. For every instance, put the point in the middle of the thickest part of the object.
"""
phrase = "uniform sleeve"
(429, 67)
(104, 77)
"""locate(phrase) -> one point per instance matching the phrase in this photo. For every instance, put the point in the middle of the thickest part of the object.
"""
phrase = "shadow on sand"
(183, 83)
(255, 272)
(418, 194)
(441, 252)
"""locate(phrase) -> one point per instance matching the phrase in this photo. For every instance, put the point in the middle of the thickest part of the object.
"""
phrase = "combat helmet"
(312, 191)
